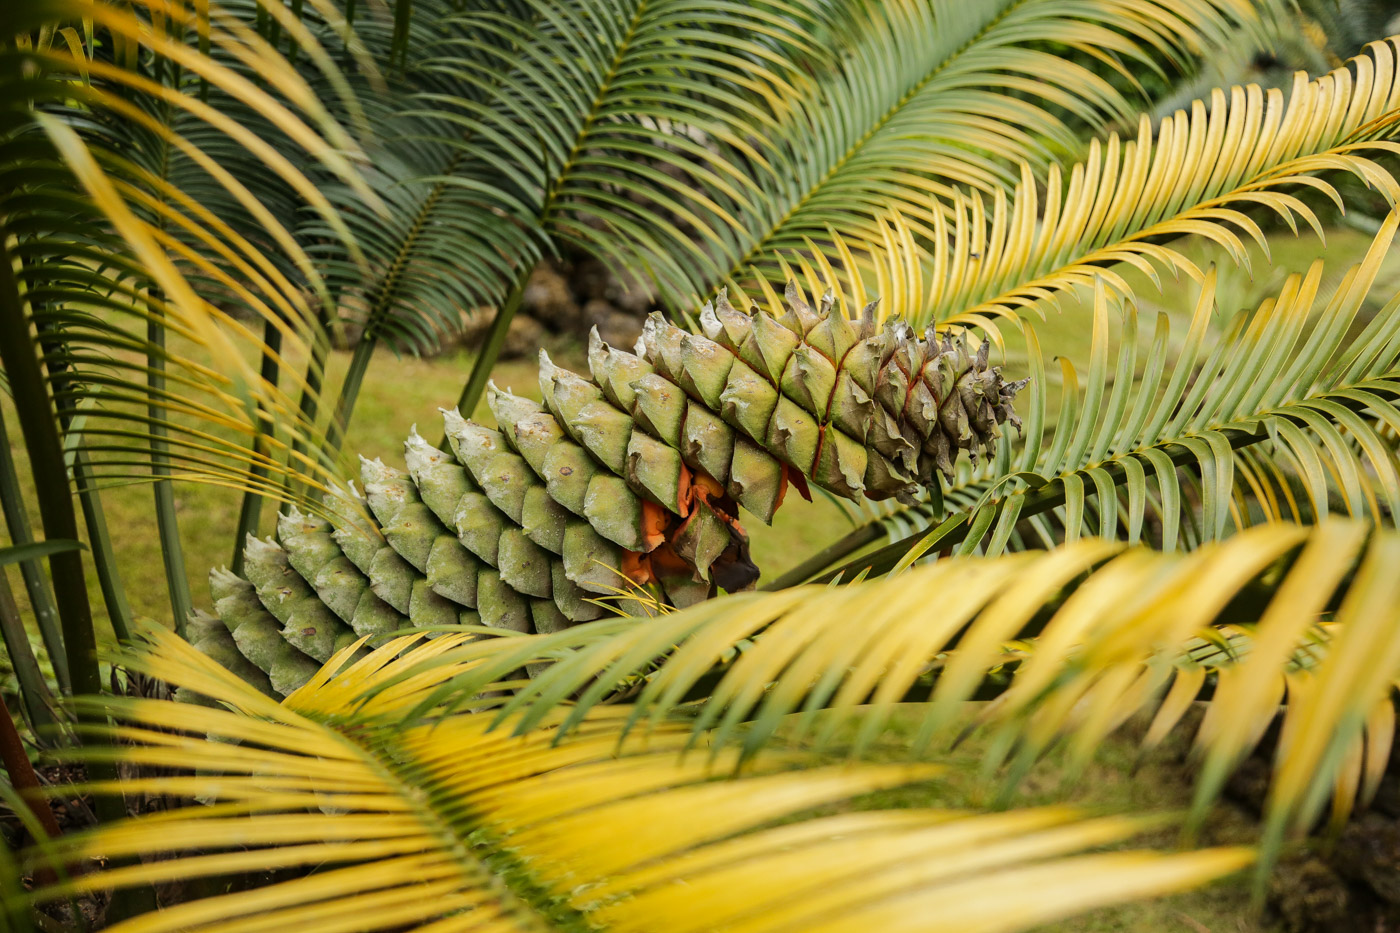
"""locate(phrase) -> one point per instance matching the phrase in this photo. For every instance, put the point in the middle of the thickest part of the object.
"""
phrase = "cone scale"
(632, 477)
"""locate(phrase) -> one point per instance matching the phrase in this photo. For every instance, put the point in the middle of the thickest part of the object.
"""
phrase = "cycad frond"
(607, 124)
(407, 823)
(921, 119)
(1203, 173)
(1100, 632)
(143, 250)
(1278, 375)
(1284, 383)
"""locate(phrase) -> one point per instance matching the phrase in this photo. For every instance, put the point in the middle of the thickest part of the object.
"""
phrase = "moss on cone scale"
(634, 476)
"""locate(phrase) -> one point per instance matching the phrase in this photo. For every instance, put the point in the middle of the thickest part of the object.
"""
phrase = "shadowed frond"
(600, 123)
(124, 250)
(408, 824)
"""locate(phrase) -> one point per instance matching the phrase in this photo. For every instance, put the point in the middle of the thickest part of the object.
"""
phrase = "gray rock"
(615, 327)
(522, 339)
(1309, 897)
(590, 279)
(549, 300)
(1368, 852)
(630, 294)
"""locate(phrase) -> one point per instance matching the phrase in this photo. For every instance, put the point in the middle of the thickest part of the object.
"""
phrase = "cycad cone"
(636, 475)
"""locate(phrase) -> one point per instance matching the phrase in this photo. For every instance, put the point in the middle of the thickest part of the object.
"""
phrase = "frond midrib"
(559, 182)
(760, 245)
(523, 898)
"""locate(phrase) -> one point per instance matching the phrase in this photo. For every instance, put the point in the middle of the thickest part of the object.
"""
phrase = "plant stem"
(350, 391)
(39, 421)
(26, 782)
(41, 600)
(491, 349)
(167, 522)
(853, 541)
(33, 691)
(39, 426)
(315, 374)
(21, 772)
(250, 512)
(104, 558)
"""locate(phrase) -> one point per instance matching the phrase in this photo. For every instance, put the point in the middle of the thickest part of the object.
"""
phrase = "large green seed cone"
(314, 554)
(633, 477)
(307, 623)
(888, 408)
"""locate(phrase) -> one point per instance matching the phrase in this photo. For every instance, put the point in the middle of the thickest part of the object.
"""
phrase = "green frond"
(921, 119)
(1206, 174)
(1283, 416)
(599, 124)
(411, 823)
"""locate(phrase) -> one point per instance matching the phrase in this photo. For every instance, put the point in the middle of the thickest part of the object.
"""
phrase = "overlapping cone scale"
(631, 478)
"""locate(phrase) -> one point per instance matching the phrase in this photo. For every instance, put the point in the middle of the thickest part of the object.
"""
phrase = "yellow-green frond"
(186, 320)
(935, 96)
(446, 824)
(1200, 173)
(1072, 643)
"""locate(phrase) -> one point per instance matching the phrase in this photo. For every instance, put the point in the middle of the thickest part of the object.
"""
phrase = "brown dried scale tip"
(632, 477)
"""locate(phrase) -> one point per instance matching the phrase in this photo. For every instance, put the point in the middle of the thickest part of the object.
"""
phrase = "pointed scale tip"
(722, 305)
(547, 367)
(374, 471)
(452, 419)
(709, 321)
(256, 546)
(473, 437)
